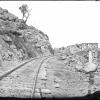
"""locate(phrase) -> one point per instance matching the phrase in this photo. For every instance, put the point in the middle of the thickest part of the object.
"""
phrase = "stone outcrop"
(82, 47)
(20, 41)
(77, 49)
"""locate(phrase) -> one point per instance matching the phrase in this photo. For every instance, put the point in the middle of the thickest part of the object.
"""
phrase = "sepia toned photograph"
(49, 49)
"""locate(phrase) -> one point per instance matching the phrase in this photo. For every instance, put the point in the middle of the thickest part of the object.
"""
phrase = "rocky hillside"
(77, 49)
(20, 41)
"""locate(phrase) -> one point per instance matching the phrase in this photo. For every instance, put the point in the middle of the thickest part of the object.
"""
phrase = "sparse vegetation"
(25, 12)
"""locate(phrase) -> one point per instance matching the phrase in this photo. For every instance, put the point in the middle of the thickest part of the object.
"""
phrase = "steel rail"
(36, 78)
(19, 66)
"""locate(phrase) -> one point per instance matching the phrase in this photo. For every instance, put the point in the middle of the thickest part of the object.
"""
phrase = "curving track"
(35, 82)
(19, 66)
(36, 68)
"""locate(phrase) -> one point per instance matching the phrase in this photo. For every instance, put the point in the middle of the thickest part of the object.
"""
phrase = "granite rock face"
(20, 41)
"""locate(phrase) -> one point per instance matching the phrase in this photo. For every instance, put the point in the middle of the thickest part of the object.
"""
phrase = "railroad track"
(19, 66)
(36, 78)
(42, 60)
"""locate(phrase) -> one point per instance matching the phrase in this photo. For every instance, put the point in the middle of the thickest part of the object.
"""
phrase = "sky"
(65, 22)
